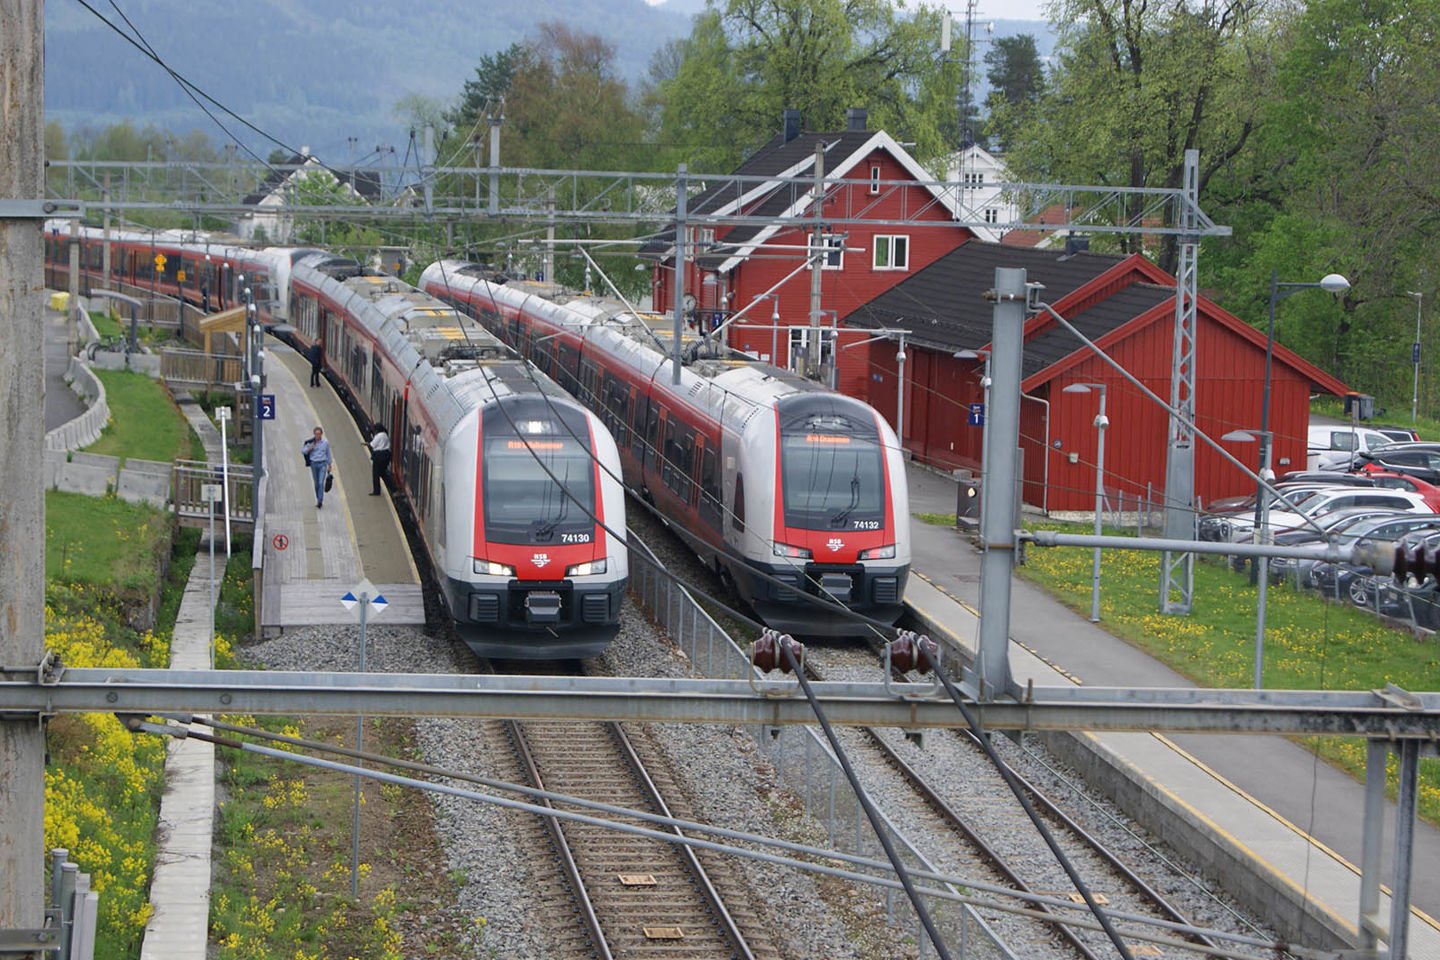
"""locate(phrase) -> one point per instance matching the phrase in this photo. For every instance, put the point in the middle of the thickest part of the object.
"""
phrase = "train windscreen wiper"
(547, 529)
(838, 520)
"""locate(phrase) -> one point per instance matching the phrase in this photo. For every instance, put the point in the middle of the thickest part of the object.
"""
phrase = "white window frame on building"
(800, 344)
(834, 243)
(875, 179)
(891, 252)
(992, 215)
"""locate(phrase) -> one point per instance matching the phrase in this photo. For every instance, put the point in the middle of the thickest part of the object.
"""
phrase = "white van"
(1329, 446)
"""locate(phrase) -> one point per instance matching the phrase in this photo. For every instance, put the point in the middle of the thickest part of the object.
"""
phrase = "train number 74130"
(574, 538)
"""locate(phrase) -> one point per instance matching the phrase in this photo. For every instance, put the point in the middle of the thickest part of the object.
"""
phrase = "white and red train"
(786, 487)
(512, 484)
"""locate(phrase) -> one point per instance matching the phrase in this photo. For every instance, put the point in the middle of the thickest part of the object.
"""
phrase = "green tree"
(746, 61)
(1136, 86)
(487, 90)
(1014, 69)
(1343, 179)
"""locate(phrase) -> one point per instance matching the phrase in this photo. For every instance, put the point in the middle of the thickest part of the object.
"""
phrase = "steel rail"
(991, 855)
(953, 819)
(562, 845)
(692, 860)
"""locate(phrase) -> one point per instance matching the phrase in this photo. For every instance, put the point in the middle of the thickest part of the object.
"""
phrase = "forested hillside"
(318, 72)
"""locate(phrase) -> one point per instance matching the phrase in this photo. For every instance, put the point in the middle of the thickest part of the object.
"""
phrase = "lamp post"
(1262, 537)
(1415, 354)
(775, 329)
(1101, 423)
(1330, 283)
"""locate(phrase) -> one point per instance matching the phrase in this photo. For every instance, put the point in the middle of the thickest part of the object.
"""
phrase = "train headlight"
(493, 569)
(585, 569)
(879, 553)
(796, 553)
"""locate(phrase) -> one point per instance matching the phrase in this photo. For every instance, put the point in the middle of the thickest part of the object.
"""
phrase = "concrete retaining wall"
(84, 429)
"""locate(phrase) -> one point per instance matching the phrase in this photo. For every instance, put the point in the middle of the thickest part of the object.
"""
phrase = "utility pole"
(105, 250)
(22, 420)
(817, 265)
(497, 116)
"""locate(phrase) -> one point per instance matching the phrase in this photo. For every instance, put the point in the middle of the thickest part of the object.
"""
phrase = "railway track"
(635, 896)
(988, 820)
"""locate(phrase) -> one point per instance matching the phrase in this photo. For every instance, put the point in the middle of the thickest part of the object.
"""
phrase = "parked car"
(1335, 579)
(1333, 526)
(1416, 601)
(1329, 446)
(1222, 510)
(1291, 513)
(1413, 459)
(1390, 480)
(1401, 434)
(1326, 477)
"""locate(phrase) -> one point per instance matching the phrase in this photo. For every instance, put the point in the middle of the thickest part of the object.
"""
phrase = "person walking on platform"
(317, 362)
(318, 459)
(379, 459)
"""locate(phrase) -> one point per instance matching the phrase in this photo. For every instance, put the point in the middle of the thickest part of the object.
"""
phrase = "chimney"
(792, 125)
(855, 118)
(1075, 243)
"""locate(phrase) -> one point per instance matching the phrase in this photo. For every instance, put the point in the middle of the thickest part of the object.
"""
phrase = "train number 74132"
(866, 524)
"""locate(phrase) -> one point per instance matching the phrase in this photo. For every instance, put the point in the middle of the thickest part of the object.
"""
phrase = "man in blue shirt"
(317, 455)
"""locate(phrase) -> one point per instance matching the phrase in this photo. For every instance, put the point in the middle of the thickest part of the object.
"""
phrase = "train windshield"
(538, 488)
(832, 480)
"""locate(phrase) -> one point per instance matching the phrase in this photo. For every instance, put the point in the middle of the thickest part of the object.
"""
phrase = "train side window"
(710, 505)
(737, 519)
(671, 454)
(638, 447)
(652, 435)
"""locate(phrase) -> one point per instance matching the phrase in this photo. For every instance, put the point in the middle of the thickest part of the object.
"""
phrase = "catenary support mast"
(22, 424)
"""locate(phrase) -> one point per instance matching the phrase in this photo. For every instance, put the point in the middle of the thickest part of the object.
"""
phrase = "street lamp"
(1415, 354)
(1262, 537)
(1330, 283)
(775, 330)
(1101, 422)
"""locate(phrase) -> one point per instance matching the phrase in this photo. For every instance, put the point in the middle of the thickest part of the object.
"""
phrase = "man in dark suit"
(317, 362)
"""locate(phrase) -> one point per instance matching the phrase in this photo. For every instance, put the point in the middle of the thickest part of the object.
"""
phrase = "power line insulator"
(905, 652)
(767, 656)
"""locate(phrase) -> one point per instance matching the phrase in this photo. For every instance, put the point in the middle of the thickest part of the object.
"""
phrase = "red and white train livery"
(510, 481)
(772, 474)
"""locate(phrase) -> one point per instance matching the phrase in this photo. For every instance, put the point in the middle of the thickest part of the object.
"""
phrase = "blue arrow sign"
(349, 600)
(379, 603)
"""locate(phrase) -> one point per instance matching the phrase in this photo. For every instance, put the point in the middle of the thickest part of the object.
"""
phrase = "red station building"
(929, 277)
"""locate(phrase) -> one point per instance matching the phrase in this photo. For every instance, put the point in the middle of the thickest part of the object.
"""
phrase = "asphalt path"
(61, 403)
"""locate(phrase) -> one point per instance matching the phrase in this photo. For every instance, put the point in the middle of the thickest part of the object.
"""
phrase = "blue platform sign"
(976, 414)
(267, 406)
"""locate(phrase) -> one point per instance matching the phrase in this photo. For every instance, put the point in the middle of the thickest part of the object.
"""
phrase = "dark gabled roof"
(771, 160)
(943, 304)
(1055, 343)
(364, 182)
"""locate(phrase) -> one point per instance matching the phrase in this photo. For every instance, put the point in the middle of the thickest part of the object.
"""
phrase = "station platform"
(1289, 822)
(313, 557)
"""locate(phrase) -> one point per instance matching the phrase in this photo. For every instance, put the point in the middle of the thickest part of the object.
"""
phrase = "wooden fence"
(192, 510)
